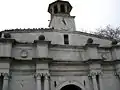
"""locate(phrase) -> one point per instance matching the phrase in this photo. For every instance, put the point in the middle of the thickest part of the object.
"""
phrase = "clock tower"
(60, 16)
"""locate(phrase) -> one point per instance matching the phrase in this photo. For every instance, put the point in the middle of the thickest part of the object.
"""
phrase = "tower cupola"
(60, 7)
(60, 16)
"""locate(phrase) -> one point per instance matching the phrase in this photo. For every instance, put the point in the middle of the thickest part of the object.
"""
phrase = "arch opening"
(71, 87)
(55, 9)
(62, 8)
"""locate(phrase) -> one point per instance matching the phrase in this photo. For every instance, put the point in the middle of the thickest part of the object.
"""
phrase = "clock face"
(66, 24)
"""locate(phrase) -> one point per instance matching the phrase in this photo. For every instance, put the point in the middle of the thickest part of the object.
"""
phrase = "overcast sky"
(90, 14)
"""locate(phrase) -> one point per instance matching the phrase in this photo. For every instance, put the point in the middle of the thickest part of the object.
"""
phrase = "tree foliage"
(109, 32)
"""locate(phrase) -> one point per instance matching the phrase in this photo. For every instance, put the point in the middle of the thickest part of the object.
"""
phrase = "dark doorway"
(71, 87)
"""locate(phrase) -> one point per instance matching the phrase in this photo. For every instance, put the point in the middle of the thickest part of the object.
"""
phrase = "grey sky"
(90, 14)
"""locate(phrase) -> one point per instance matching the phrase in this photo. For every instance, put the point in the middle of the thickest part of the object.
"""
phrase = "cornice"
(115, 46)
(92, 45)
(6, 40)
(44, 59)
(65, 46)
(68, 62)
(42, 42)
(116, 61)
(87, 62)
(107, 48)
(4, 59)
(90, 61)
(113, 62)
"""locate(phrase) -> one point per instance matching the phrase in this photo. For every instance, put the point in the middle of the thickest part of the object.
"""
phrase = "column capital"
(95, 73)
(46, 76)
(38, 75)
(5, 75)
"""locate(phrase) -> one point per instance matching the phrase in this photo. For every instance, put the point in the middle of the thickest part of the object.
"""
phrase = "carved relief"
(105, 55)
(21, 83)
(24, 53)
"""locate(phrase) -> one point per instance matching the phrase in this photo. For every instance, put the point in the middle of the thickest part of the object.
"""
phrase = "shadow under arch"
(69, 85)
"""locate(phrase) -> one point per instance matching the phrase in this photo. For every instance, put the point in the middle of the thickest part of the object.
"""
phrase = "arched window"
(62, 7)
(68, 8)
(55, 9)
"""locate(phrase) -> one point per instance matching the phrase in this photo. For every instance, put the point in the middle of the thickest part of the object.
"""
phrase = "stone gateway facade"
(59, 57)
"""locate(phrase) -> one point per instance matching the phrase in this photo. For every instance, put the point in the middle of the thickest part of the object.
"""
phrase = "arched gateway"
(70, 85)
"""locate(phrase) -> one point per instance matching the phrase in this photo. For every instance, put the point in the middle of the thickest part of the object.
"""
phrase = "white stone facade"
(28, 62)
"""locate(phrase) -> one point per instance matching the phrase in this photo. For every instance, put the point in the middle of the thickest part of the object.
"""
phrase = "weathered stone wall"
(56, 37)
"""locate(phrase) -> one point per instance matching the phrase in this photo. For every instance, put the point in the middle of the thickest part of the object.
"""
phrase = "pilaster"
(116, 58)
(46, 82)
(91, 52)
(95, 86)
(38, 81)
(41, 48)
(5, 81)
(101, 81)
(93, 76)
(6, 47)
(96, 75)
(116, 52)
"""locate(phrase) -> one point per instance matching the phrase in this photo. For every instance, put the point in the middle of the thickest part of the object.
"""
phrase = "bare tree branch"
(109, 32)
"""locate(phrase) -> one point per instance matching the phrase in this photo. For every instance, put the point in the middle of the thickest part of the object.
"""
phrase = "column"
(5, 82)
(95, 86)
(58, 6)
(66, 9)
(46, 82)
(38, 80)
(101, 82)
